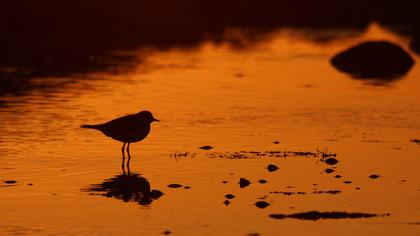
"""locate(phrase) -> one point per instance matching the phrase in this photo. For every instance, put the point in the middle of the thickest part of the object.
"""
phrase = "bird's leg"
(123, 158)
(129, 157)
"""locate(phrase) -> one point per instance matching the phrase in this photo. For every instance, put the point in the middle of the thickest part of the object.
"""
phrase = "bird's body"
(127, 129)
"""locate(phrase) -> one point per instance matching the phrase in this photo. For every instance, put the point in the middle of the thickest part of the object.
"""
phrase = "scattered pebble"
(357, 188)
(331, 161)
(374, 176)
(174, 185)
(262, 204)
(206, 147)
(272, 168)
(276, 142)
(10, 182)
(224, 182)
(338, 176)
(227, 202)
(262, 181)
(347, 182)
(167, 232)
(329, 170)
(244, 182)
(229, 196)
(187, 187)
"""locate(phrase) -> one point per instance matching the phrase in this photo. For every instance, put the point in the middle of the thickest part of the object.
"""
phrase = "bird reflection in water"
(128, 187)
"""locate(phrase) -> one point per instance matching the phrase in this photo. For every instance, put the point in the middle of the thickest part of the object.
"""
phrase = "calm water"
(234, 99)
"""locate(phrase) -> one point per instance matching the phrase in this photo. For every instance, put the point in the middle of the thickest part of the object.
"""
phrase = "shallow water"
(234, 99)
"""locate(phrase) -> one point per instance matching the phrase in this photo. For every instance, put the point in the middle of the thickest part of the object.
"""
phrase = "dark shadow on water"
(129, 187)
(51, 38)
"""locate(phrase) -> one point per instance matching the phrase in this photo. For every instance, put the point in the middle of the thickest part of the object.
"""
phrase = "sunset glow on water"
(277, 94)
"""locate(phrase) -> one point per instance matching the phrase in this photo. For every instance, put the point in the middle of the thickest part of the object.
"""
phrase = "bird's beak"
(154, 119)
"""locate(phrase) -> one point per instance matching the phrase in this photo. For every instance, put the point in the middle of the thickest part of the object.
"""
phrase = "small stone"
(167, 232)
(206, 147)
(227, 202)
(174, 185)
(187, 187)
(347, 182)
(262, 181)
(276, 142)
(229, 196)
(262, 204)
(338, 176)
(272, 168)
(331, 161)
(224, 182)
(374, 176)
(10, 182)
(244, 182)
(329, 170)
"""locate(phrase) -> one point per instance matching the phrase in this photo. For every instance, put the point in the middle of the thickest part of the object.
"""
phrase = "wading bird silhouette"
(127, 129)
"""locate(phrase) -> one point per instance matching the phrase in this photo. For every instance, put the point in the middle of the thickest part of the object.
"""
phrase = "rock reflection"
(128, 187)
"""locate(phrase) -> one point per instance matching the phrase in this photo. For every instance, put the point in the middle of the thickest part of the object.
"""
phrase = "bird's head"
(147, 115)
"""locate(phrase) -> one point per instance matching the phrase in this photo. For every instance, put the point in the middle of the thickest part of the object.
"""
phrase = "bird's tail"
(90, 126)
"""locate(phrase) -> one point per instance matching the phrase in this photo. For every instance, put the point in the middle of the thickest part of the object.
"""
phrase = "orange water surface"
(234, 99)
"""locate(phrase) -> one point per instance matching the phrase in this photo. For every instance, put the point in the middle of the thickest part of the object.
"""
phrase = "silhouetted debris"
(272, 168)
(10, 181)
(288, 193)
(328, 192)
(380, 60)
(316, 215)
(187, 187)
(347, 182)
(276, 142)
(338, 176)
(229, 196)
(182, 154)
(260, 154)
(374, 176)
(262, 181)
(244, 182)
(174, 185)
(253, 234)
(224, 182)
(262, 204)
(30, 184)
(357, 188)
(331, 161)
(207, 147)
(155, 194)
(226, 202)
(416, 141)
(328, 170)
(166, 232)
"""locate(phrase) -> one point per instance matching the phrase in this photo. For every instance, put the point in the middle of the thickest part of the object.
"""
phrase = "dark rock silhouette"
(128, 188)
(378, 60)
(272, 167)
(262, 204)
(229, 196)
(331, 161)
(244, 182)
(373, 176)
(174, 185)
(206, 147)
